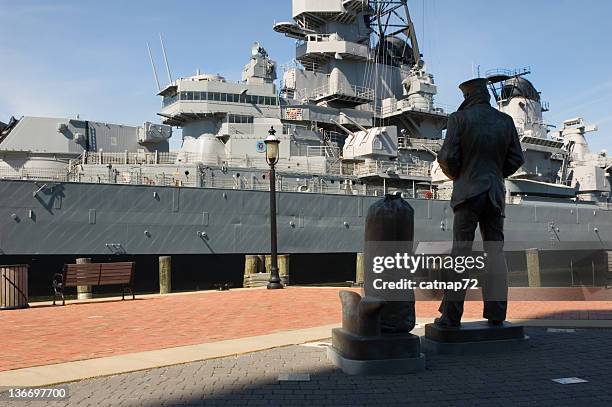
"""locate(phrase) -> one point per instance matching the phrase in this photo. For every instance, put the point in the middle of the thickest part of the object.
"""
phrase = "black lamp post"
(272, 158)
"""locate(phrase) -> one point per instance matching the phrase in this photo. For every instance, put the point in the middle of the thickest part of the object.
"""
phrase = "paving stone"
(489, 380)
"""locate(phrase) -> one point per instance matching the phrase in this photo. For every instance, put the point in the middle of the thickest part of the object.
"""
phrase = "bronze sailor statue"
(481, 148)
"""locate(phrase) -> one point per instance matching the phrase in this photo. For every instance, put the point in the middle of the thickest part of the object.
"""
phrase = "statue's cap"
(473, 86)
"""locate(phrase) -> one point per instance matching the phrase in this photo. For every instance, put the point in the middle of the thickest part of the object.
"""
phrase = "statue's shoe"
(494, 322)
(443, 322)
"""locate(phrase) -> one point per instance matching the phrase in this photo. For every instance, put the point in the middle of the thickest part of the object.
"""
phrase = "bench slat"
(108, 278)
(83, 267)
(80, 272)
(117, 272)
(118, 264)
(76, 283)
(114, 282)
(86, 276)
(80, 279)
(93, 280)
(87, 273)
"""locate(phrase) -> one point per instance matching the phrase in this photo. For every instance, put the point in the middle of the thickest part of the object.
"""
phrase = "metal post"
(84, 291)
(275, 281)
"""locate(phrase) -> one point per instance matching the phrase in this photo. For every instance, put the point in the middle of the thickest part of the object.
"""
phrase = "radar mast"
(390, 22)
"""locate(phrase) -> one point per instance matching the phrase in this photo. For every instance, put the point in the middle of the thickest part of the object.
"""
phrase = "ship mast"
(391, 18)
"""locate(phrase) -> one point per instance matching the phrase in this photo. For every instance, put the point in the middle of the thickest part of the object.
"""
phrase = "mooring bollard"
(261, 265)
(251, 264)
(359, 269)
(84, 291)
(283, 268)
(533, 267)
(165, 274)
(252, 267)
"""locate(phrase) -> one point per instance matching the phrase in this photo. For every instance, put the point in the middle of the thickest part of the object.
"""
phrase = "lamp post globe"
(272, 153)
(272, 143)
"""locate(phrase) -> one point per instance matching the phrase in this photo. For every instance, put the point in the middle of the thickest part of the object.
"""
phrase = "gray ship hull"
(38, 218)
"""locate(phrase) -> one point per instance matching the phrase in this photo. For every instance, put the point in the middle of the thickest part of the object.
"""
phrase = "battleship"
(356, 116)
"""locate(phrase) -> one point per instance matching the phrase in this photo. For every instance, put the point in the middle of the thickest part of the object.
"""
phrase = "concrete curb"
(114, 298)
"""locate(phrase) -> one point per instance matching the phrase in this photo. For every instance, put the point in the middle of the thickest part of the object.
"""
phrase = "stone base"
(84, 292)
(261, 280)
(381, 347)
(376, 355)
(376, 366)
(474, 338)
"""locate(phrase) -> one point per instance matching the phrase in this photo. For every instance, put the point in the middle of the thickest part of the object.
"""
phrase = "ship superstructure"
(355, 113)
(557, 163)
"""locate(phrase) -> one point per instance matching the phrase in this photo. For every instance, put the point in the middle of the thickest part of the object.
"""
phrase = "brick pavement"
(44, 335)
(505, 379)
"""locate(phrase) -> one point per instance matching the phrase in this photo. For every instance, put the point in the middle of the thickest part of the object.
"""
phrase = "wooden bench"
(94, 274)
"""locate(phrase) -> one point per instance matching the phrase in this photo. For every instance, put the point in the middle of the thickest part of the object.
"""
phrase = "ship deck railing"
(322, 151)
(300, 164)
(38, 174)
(100, 157)
(284, 183)
(327, 90)
(184, 169)
(244, 161)
(397, 106)
(508, 72)
(419, 169)
(318, 38)
(419, 143)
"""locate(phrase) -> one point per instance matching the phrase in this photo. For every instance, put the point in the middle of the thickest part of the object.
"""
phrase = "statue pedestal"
(474, 338)
(376, 355)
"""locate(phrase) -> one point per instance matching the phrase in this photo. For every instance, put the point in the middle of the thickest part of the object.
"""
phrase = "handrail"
(342, 89)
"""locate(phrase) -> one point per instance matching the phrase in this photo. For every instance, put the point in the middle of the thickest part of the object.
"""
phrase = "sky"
(62, 58)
